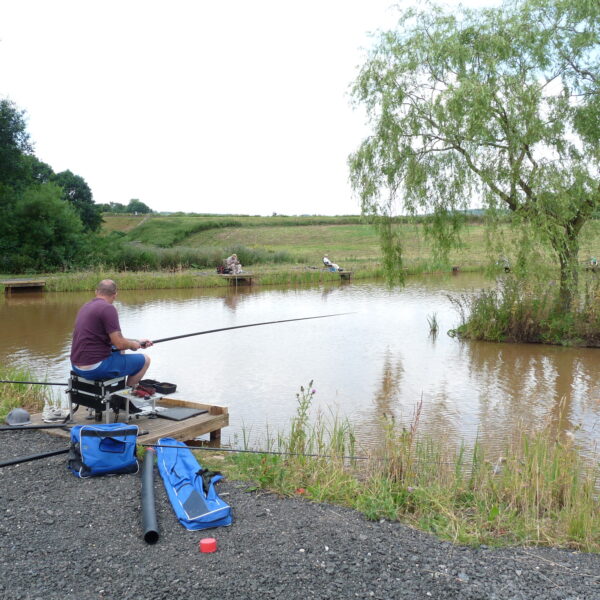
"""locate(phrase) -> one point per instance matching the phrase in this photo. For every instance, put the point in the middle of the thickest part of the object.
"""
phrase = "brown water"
(378, 360)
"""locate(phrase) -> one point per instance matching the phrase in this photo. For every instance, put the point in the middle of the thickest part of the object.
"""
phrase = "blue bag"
(191, 489)
(103, 449)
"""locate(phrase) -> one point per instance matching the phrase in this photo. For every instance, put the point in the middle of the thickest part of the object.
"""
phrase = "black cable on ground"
(22, 459)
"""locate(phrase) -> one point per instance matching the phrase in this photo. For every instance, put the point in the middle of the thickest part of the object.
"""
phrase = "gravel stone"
(63, 538)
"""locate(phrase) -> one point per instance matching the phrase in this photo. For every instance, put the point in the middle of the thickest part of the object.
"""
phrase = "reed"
(433, 324)
(131, 280)
(539, 492)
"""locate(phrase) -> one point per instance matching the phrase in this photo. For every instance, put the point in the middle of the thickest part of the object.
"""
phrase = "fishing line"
(213, 449)
(273, 452)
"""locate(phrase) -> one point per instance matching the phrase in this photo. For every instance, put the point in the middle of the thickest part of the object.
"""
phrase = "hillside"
(303, 240)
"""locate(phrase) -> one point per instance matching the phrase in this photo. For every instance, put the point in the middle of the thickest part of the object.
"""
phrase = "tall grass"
(180, 277)
(128, 280)
(519, 311)
(541, 492)
(433, 324)
(30, 397)
(140, 257)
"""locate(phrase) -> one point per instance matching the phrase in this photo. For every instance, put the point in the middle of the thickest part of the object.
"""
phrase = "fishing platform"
(210, 420)
(11, 285)
(238, 278)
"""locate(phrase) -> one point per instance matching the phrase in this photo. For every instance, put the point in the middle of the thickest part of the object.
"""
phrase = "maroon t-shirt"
(95, 321)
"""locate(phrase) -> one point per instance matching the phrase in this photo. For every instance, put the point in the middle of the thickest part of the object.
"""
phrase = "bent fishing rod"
(185, 335)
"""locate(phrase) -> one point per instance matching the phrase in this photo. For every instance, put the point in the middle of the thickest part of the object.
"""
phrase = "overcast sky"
(195, 106)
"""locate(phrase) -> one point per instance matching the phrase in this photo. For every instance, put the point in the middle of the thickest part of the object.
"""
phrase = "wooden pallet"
(211, 422)
(239, 279)
(22, 284)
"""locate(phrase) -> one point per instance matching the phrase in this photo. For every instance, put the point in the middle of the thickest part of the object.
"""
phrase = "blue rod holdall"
(191, 489)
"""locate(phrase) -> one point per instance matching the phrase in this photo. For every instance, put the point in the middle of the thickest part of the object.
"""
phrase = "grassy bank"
(183, 251)
(539, 493)
(30, 397)
(191, 278)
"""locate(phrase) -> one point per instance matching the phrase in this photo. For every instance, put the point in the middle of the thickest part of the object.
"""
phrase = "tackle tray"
(160, 387)
(165, 388)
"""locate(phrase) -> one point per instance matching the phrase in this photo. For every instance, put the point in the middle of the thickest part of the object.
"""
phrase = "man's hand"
(122, 343)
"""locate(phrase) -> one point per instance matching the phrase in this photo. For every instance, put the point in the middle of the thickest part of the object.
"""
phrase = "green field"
(172, 251)
(347, 240)
(279, 250)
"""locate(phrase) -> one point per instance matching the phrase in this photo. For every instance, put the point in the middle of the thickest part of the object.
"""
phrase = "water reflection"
(535, 386)
(381, 359)
(234, 296)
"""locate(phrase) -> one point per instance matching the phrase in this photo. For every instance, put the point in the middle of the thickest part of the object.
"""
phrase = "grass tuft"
(13, 395)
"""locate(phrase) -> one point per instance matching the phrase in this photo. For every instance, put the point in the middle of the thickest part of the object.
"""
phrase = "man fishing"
(233, 264)
(331, 266)
(97, 332)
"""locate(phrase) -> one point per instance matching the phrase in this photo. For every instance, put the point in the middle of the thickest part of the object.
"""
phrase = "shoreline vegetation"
(540, 492)
(182, 251)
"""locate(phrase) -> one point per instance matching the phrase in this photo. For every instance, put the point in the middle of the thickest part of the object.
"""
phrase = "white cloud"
(194, 106)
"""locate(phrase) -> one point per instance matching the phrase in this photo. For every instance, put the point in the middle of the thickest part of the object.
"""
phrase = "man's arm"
(123, 343)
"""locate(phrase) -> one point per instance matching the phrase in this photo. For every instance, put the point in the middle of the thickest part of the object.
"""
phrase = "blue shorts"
(116, 365)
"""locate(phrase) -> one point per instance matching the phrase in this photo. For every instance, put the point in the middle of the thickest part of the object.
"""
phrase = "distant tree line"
(134, 206)
(49, 220)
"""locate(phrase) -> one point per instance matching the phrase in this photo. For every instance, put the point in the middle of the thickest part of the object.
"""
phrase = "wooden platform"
(22, 284)
(211, 422)
(239, 279)
(345, 274)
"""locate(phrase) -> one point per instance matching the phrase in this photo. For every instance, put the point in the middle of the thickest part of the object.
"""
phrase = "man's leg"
(134, 379)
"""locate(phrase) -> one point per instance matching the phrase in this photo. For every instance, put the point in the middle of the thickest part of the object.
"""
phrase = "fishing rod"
(21, 459)
(185, 335)
(21, 427)
(178, 337)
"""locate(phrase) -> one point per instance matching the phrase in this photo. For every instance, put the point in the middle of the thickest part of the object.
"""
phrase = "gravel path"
(66, 538)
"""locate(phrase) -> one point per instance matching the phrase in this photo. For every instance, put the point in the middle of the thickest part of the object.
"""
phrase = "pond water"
(381, 359)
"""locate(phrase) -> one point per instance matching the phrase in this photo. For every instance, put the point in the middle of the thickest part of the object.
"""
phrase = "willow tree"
(498, 105)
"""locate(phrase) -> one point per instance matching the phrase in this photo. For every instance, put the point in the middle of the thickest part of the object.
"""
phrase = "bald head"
(106, 288)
